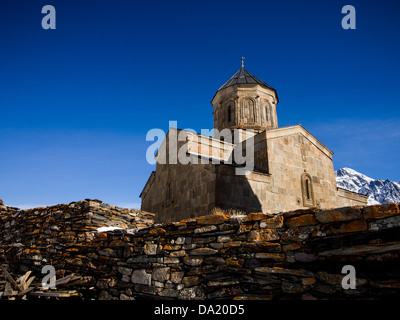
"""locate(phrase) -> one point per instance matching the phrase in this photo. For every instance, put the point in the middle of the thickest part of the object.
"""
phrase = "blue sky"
(76, 102)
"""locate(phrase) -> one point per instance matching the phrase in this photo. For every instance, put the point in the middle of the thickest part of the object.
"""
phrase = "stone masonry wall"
(181, 191)
(30, 239)
(292, 255)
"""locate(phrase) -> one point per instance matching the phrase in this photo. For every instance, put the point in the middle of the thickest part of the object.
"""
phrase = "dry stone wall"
(55, 235)
(292, 255)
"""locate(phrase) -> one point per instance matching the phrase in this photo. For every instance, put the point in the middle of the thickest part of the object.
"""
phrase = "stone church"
(292, 169)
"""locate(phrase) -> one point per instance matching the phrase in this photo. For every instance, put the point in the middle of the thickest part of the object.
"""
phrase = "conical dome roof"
(243, 76)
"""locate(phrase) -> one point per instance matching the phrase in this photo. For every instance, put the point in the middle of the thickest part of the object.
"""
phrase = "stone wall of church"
(284, 160)
(346, 197)
(246, 193)
(180, 191)
(294, 156)
(176, 190)
(290, 157)
(248, 106)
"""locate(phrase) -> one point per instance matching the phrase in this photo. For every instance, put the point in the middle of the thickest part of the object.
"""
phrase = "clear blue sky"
(76, 102)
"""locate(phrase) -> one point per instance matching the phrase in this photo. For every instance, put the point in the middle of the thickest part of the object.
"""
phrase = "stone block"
(125, 297)
(212, 219)
(283, 271)
(234, 262)
(193, 262)
(224, 239)
(245, 228)
(125, 271)
(262, 235)
(256, 216)
(150, 249)
(180, 253)
(180, 240)
(157, 232)
(125, 278)
(171, 293)
(203, 252)
(354, 226)
(275, 222)
(193, 293)
(191, 281)
(385, 223)
(214, 260)
(300, 221)
(176, 277)
(209, 228)
(305, 257)
(161, 274)
(298, 234)
(217, 245)
(274, 257)
(262, 246)
(171, 247)
(141, 277)
(335, 215)
(291, 287)
(380, 211)
(291, 246)
(171, 260)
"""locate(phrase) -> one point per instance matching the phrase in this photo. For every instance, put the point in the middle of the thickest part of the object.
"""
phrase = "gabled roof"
(290, 130)
(243, 76)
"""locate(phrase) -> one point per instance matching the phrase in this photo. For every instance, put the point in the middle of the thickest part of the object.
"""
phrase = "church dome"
(245, 102)
(243, 76)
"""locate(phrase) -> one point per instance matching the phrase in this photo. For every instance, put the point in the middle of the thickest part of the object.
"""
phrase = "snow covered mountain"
(380, 191)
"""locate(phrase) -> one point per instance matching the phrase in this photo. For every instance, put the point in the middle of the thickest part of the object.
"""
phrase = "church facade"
(291, 169)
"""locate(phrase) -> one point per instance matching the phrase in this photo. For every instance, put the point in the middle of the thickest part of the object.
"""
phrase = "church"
(290, 169)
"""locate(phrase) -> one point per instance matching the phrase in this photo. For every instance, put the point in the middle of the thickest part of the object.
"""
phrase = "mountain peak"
(380, 191)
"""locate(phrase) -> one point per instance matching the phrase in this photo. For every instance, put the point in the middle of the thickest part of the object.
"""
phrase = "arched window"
(248, 109)
(307, 190)
(229, 113)
(266, 113)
